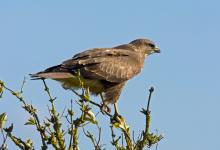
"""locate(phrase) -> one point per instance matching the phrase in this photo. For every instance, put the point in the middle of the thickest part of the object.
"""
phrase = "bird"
(104, 71)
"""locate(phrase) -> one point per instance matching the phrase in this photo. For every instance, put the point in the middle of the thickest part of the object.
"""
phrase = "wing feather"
(113, 65)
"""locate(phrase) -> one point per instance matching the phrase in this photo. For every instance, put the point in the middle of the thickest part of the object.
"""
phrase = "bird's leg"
(104, 107)
(116, 118)
(116, 109)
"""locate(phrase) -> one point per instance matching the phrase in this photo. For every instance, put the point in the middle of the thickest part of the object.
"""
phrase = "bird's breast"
(95, 86)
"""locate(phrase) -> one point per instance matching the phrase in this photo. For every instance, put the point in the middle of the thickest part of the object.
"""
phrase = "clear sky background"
(185, 107)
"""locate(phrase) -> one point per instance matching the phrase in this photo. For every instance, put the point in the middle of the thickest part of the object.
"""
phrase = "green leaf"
(119, 122)
(87, 94)
(3, 118)
(90, 116)
(9, 129)
(1, 88)
(29, 143)
(70, 112)
(31, 121)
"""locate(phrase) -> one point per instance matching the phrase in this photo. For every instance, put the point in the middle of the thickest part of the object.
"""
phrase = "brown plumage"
(104, 70)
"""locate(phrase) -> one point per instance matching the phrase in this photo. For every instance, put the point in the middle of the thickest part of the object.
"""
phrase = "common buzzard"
(103, 70)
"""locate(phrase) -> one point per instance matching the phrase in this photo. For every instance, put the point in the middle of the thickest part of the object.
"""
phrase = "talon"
(117, 115)
(116, 118)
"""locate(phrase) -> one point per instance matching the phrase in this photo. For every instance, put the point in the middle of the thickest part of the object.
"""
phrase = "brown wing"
(113, 65)
(110, 64)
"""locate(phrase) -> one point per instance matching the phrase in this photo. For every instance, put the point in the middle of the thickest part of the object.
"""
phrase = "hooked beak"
(157, 50)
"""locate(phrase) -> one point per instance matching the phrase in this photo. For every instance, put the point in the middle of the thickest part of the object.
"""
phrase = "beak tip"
(157, 50)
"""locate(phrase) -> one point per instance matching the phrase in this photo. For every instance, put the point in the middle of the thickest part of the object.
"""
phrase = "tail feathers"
(52, 75)
(55, 72)
(35, 77)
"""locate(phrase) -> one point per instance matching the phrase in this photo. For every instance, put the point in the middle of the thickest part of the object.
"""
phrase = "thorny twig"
(30, 109)
(147, 138)
(91, 102)
(54, 120)
(56, 136)
(70, 112)
(23, 145)
(96, 143)
(4, 139)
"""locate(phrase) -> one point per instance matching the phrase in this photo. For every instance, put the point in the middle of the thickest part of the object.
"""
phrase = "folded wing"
(113, 65)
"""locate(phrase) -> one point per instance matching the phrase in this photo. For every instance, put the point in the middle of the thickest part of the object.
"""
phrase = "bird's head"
(145, 46)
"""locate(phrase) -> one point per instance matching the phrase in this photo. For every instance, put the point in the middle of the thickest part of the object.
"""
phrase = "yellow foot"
(116, 118)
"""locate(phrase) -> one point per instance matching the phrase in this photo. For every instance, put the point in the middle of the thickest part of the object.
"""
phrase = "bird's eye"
(151, 45)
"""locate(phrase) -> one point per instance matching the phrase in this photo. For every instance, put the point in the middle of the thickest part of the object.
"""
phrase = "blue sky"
(35, 35)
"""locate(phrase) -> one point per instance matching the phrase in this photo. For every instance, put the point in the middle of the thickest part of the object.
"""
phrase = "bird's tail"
(55, 72)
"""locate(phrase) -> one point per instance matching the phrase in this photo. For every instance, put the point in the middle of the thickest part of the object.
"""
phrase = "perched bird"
(104, 71)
